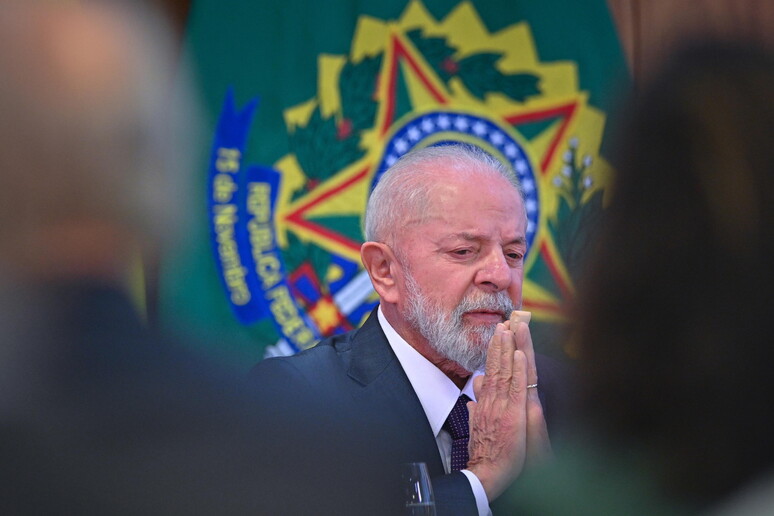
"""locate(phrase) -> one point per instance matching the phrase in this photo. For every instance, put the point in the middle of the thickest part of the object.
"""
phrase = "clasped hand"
(507, 428)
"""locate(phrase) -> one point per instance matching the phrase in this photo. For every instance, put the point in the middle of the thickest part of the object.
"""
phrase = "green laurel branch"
(320, 149)
(357, 88)
(576, 220)
(478, 72)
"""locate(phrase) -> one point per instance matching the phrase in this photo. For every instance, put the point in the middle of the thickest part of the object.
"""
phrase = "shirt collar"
(436, 392)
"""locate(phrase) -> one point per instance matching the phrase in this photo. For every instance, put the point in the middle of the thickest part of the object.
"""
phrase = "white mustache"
(498, 302)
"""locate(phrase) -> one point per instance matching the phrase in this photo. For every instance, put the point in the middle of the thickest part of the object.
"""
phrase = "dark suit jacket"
(371, 414)
(99, 415)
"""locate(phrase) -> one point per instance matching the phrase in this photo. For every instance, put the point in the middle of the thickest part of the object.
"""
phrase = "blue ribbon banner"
(242, 202)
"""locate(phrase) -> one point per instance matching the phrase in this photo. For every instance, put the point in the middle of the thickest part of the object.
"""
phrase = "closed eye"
(515, 258)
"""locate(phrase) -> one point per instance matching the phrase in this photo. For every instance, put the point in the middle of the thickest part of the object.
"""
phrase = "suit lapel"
(385, 388)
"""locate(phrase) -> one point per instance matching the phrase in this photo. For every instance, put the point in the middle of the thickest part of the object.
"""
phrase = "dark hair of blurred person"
(674, 337)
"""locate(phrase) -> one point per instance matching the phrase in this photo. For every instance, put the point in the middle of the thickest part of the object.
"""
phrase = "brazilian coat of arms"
(286, 237)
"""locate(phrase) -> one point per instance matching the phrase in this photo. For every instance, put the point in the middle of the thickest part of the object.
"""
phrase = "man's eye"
(515, 256)
(462, 252)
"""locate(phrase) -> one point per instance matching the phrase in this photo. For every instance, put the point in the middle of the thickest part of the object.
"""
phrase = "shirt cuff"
(478, 492)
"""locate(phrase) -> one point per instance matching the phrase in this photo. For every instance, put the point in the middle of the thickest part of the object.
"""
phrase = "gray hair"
(91, 124)
(406, 187)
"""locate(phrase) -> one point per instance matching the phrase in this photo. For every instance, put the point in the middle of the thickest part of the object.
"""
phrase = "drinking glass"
(417, 490)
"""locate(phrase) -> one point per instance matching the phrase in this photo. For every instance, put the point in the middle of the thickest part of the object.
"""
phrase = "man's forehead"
(454, 195)
(446, 192)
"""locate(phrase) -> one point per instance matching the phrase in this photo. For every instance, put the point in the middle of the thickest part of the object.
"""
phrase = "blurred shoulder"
(557, 386)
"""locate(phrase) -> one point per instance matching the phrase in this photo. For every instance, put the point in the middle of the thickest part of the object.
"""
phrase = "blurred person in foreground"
(676, 353)
(98, 415)
(445, 232)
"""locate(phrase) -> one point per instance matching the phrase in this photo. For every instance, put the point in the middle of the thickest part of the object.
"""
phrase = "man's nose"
(494, 274)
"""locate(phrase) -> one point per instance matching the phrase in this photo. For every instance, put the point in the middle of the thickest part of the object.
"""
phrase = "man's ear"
(379, 260)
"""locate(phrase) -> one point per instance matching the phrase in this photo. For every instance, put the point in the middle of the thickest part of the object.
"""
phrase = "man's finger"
(523, 339)
(478, 385)
(504, 375)
(493, 352)
(518, 316)
(518, 383)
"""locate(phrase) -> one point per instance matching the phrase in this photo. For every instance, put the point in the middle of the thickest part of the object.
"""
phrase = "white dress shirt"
(437, 394)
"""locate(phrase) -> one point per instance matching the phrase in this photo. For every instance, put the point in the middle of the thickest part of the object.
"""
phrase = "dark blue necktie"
(457, 426)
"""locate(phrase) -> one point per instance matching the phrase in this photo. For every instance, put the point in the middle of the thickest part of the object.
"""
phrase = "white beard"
(446, 332)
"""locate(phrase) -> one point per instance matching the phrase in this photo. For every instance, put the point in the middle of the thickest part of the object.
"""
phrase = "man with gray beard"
(450, 338)
(437, 373)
